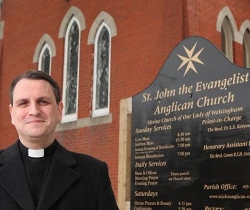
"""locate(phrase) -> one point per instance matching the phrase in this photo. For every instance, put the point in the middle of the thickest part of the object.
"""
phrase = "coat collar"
(13, 179)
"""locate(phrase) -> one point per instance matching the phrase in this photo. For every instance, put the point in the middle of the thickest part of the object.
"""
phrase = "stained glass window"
(246, 48)
(45, 62)
(227, 38)
(72, 70)
(102, 72)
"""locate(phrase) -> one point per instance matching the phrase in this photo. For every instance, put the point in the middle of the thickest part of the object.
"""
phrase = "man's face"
(35, 112)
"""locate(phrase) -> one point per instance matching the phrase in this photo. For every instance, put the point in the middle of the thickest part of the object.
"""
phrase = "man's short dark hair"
(35, 75)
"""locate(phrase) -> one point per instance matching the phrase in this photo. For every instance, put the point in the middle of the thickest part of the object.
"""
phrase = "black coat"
(75, 182)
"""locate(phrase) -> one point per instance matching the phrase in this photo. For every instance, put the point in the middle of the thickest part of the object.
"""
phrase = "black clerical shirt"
(37, 169)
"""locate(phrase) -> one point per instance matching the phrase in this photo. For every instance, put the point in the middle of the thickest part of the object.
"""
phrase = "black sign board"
(191, 133)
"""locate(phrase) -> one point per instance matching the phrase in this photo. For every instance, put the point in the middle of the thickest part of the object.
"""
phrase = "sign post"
(191, 133)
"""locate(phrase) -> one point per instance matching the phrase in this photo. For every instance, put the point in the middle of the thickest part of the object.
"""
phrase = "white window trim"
(104, 111)
(45, 46)
(70, 117)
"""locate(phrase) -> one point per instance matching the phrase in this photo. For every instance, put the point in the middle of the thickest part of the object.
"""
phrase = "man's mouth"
(35, 121)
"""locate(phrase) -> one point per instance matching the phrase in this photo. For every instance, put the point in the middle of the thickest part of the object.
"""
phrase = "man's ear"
(10, 110)
(60, 110)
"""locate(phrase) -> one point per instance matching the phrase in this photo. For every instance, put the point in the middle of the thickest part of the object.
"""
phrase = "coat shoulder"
(88, 162)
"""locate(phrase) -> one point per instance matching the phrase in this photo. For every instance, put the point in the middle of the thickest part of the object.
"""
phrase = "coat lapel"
(60, 178)
(13, 178)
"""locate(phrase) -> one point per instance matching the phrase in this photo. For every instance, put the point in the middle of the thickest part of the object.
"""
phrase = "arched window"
(226, 25)
(101, 32)
(101, 83)
(227, 38)
(45, 51)
(246, 48)
(71, 70)
(44, 63)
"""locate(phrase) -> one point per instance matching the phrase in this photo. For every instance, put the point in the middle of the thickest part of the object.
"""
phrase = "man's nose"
(34, 109)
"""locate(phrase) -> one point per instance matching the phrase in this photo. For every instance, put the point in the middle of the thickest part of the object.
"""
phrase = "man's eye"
(43, 102)
(22, 103)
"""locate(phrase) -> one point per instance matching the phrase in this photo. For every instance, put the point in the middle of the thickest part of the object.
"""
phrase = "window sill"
(84, 122)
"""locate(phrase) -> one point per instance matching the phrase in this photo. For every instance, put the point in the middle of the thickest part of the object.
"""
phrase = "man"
(36, 172)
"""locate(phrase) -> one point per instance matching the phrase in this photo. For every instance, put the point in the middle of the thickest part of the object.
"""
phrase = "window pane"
(46, 61)
(102, 71)
(246, 48)
(227, 38)
(72, 68)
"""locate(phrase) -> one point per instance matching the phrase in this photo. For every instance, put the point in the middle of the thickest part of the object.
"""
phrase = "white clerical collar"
(36, 153)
